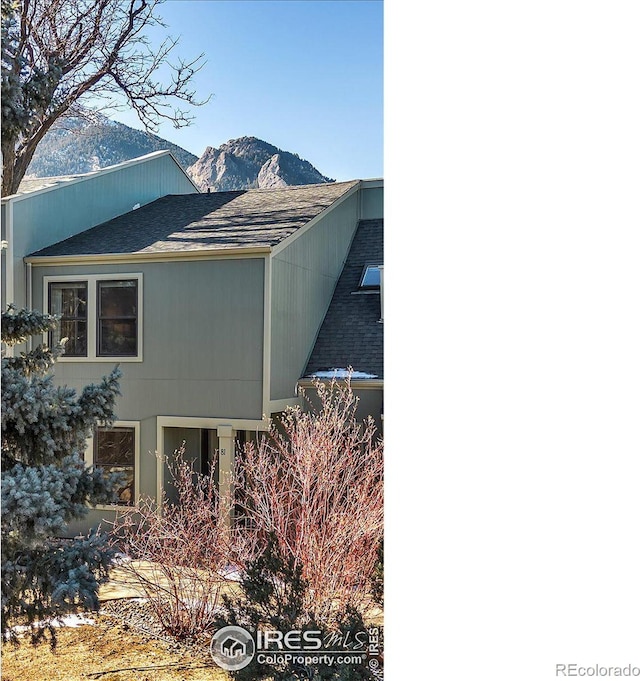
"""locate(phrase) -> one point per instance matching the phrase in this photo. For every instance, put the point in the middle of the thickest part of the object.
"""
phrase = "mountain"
(249, 162)
(75, 146)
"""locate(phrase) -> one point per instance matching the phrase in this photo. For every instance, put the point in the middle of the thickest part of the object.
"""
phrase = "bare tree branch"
(58, 53)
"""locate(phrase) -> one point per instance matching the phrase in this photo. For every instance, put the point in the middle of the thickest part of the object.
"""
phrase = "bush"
(316, 485)
(377, 581)
(180, 557)
(273, 597)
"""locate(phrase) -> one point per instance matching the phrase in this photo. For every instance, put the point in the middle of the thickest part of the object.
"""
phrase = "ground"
(111, 649)
(106, 651)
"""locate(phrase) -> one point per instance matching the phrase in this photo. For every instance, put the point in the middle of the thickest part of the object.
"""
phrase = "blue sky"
(306, 76)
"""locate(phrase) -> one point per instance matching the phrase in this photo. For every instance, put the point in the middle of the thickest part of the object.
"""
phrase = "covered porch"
(211, 444)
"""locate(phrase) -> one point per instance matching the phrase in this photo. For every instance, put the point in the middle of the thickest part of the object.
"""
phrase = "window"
(370, 277)
(117, 318)
(114, 450)
(70, 301)
(100, 316)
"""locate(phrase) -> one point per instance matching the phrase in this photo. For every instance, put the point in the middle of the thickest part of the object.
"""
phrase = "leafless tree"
(316, 483)
(58, 53)
(181, 558)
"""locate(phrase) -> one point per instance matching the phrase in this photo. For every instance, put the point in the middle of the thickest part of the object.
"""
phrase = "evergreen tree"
(45, 483)
(273, 596)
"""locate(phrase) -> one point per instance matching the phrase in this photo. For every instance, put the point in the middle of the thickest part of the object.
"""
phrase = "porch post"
(226, 467)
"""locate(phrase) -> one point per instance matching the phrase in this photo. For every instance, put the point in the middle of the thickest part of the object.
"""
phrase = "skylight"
(370, 277)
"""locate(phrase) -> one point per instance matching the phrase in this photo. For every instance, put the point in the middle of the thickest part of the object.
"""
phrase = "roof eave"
(157, 256)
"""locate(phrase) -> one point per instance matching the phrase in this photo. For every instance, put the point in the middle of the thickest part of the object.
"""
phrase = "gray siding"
(202, 351)
(370, 403)
(372, 203)
(45, 218)
(304, 276)
(202, 339)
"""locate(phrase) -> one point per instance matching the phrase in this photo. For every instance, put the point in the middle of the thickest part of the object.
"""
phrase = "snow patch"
(342, 373)
(232, 574)
(72, 620)
(120, 558)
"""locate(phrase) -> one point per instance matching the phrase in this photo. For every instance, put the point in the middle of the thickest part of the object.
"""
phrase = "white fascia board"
(212, 422)
(168, 256)
(184, 172)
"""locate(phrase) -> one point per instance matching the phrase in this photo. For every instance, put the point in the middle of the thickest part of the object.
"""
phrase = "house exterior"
(48, 210)
(210, 303)
(350, 340)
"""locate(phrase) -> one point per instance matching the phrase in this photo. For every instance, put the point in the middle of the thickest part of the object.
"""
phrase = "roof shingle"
(351, 334)
(201, 222)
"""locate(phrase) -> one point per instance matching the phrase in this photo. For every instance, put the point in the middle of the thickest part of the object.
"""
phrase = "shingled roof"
(205, 222)
(32, 184)
(351, 334)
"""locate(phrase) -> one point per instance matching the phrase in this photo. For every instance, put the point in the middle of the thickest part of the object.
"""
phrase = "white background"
(512, 322)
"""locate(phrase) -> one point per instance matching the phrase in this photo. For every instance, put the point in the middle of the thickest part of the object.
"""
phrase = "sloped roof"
(351, 334)
(32, 184)
(204, 222)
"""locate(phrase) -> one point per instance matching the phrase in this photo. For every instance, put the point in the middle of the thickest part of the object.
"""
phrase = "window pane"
(69, 299)
(114, 446)
(118, 337)
(371, 276)
(126, 491)
(117, 323)
(118, 298)
(114, 451)
(76, 335)
(74, 302)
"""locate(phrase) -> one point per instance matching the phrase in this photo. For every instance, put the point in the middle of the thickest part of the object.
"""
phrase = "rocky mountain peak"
(75, 146)
(249, 162)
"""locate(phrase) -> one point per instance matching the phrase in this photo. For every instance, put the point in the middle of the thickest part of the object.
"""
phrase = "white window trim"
(88, 458)
(92, 312)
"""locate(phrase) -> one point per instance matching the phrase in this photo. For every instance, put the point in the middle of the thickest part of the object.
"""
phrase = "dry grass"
(106, 651)
(112, 651)
(134, 580)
